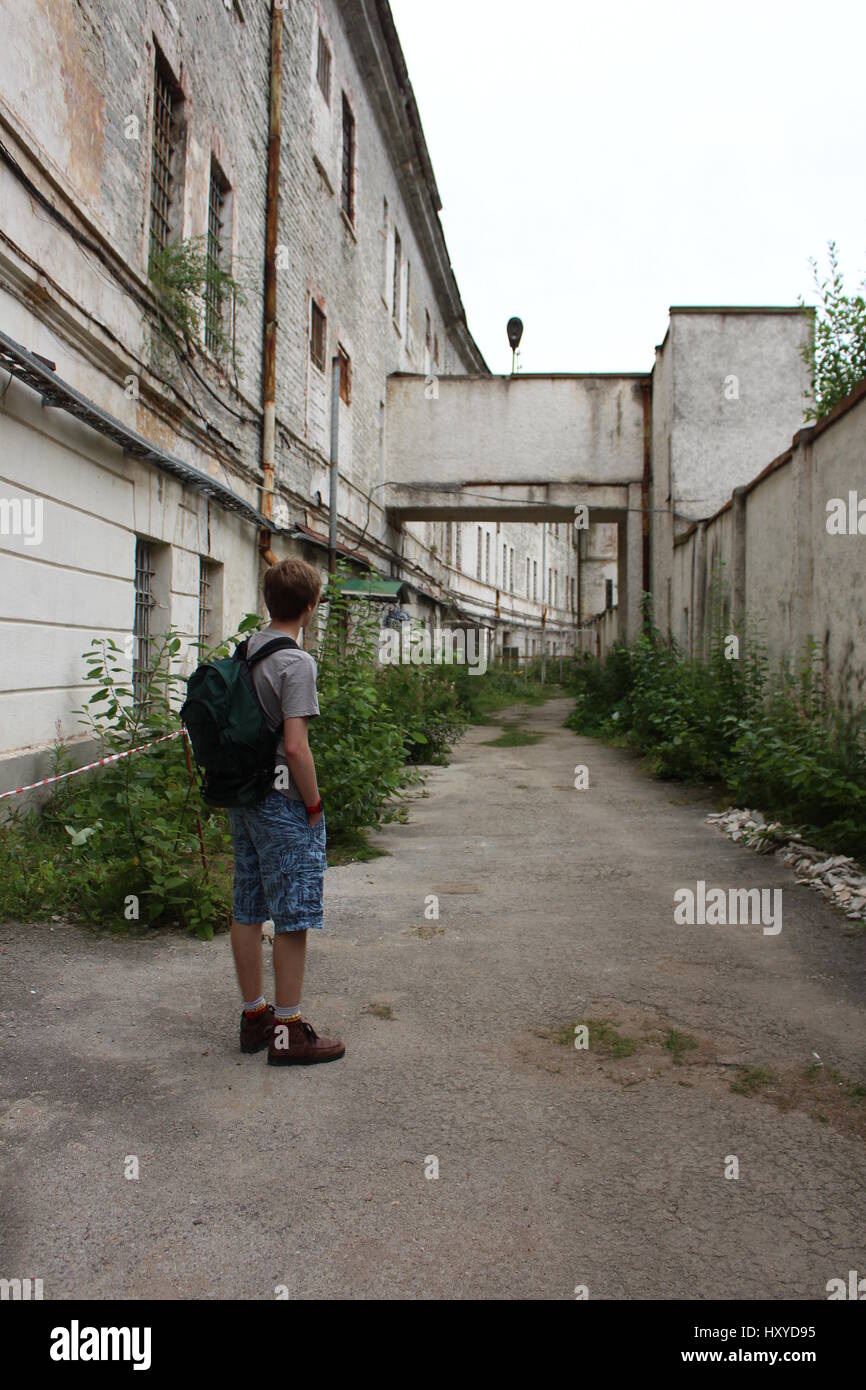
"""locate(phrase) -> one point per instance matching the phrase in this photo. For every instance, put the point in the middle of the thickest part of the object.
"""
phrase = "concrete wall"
(780, 575)
(514, 430)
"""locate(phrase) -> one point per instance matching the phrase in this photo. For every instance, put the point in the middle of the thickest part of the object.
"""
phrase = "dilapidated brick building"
(137, 491)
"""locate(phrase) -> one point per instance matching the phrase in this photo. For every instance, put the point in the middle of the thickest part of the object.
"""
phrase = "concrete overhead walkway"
(556, 1167)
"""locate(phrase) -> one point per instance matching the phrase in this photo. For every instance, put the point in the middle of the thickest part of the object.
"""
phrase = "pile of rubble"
(836, 876)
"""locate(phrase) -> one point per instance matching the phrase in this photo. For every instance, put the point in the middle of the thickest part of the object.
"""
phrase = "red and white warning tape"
(102, 762)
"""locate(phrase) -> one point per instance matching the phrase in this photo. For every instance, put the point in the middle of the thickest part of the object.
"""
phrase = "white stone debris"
(836, 876)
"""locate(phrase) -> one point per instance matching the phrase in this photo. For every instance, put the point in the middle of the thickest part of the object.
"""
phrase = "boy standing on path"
(279, 843)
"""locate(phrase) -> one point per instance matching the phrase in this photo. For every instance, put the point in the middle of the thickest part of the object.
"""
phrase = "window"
(436, 349)
(534, 580)
(505, 567)
(348, 189)
(323, 68)
(573, 595)
(487, 558)
(549, 583)
(556, 588)
(449, 537)
(608, 594)
(318, 336)
(144, 605)
(511, 575)
(345, 376)
(206, 577)
(528, 575)
(163, 154)
(480, 551)
(215, 239)
(398, 276)
(428, 342)
(458, 545)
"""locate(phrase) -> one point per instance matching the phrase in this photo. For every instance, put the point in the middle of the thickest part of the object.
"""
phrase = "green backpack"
(232, 741)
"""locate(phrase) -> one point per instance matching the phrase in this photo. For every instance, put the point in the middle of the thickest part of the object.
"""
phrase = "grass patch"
(604, 1039)
(678, 1044)
(750, 1081)
(353, 849)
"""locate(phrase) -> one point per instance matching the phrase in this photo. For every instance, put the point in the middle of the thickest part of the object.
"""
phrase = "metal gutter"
(57, 393)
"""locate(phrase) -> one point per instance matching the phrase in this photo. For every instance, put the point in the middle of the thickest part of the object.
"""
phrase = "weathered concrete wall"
(740, 387)
(520, 429)
(800, 583)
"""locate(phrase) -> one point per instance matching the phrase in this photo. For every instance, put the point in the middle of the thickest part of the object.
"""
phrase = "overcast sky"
(600, 162)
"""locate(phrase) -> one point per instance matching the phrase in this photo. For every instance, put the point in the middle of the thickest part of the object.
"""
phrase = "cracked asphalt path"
(557, 1168)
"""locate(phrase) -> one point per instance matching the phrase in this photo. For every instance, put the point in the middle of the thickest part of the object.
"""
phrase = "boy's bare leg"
(247, 949)
(290, 956)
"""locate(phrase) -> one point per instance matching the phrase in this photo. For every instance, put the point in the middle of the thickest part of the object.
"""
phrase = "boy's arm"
(299, 757)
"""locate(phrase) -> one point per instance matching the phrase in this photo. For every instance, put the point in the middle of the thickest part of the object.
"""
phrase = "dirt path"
(557, 1167)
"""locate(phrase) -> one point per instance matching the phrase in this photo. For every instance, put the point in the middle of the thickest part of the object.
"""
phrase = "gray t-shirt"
(285, 683)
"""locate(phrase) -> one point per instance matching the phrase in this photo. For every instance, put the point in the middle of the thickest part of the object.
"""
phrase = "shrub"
(776, 741)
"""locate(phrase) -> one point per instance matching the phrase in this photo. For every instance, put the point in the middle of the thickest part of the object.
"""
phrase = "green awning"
(386, 589)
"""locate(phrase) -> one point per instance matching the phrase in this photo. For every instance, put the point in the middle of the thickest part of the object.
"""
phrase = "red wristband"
(313, 810)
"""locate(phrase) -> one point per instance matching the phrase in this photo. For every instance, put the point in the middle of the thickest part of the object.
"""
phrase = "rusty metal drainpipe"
(269, 363)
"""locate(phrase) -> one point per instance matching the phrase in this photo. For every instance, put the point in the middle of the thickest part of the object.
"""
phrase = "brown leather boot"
(256, 1031)
(298, 1044)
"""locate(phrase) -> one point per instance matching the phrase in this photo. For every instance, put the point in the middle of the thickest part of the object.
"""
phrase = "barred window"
(318, 336)
(141, 634)
(458, 545)
(398, 276)
(213, 289)
(163, 151)
(348, 189)
(206, 574)
(323, 68)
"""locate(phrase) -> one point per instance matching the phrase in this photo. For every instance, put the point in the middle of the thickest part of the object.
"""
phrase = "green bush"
(776, 741)
(121, 844)
(425, 704)
(357, 742)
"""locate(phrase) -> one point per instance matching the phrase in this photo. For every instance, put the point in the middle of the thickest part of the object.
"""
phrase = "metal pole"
(335, 462)
(269, 364)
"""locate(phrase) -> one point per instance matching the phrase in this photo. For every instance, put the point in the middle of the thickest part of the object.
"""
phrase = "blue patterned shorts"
(279, 864)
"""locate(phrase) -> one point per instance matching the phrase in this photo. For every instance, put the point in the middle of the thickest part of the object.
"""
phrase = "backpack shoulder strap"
(277, 644)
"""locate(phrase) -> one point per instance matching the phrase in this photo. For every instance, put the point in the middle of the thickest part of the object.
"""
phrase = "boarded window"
(323, 68)
(348, 186)
(318, 336)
